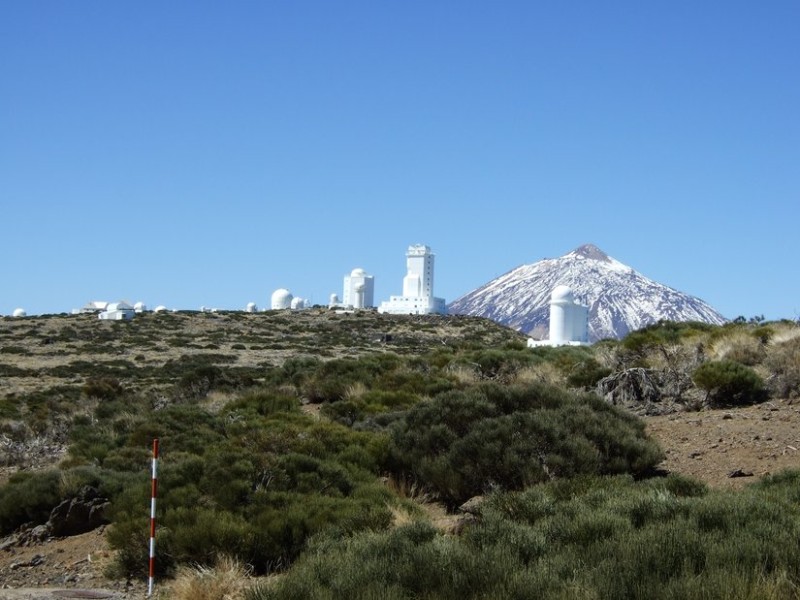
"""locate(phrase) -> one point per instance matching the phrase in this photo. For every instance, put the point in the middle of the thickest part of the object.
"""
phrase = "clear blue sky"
(207, 153)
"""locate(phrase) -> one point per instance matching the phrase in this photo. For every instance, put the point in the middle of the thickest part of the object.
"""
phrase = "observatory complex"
(417, 298)
(569, 321)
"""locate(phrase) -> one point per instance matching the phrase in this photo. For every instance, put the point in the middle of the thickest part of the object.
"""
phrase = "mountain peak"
(620, 300)
(590, 251)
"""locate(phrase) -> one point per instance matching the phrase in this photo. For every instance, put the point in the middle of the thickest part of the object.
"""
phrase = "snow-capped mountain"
(620, 299)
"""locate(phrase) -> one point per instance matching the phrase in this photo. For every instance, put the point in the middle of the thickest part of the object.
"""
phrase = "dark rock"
(740, 473)
(85, 512)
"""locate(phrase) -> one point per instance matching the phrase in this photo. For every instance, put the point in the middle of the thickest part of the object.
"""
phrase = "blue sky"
(198, 153)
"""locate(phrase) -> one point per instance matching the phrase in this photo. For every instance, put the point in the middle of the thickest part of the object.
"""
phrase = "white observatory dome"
(160, 308)
(298, 303)
(334, 300)
(281, 299)
(140, 307)
(251, 307)
(562, 294)
(19, 312)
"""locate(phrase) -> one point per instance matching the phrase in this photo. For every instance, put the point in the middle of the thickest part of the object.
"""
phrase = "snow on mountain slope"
(620, 299)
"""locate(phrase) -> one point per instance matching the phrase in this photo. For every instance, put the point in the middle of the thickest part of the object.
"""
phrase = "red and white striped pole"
(153, 494)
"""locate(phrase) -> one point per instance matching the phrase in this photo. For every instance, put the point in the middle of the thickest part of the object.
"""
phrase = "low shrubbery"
(584, 538)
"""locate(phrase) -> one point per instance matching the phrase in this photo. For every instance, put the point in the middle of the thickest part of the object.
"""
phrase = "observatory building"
(117, 311)
(569, 321)
(417, 298)
(281, 299)
(359, 290)
(19, 312)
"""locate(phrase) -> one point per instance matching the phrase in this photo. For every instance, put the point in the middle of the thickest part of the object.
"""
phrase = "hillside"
(278, 428)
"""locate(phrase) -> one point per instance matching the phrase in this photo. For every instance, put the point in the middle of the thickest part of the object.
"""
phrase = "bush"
(582, 538)
(28, 498)
(466, 443)
(729, 383)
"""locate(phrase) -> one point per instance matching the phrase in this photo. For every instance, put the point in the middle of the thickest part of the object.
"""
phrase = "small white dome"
(281, 299)
(562, 293)
(298, 303)
(358, 273)
(251, 307)
(19, 312)
(140, 307)
(160, 308)
(334, 300)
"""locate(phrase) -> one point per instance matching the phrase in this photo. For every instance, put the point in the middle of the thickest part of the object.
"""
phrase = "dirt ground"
(710, 445)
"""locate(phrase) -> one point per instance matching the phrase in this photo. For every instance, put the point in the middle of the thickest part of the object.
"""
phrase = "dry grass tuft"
(546, 373)
(355, 391)
(228, 580)
(464, 374)
(739, 346)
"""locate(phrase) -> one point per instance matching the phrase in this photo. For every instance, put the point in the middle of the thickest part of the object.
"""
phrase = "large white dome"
(562, 293)
(281, 299)
(20, 312)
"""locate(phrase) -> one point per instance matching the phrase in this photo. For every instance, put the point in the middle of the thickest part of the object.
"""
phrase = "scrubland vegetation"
(305, 445)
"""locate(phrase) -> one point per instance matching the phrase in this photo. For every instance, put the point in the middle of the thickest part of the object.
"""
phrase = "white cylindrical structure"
(297, 304)
(251, 307)
(359, 299)
(334, 300)
(560, 315)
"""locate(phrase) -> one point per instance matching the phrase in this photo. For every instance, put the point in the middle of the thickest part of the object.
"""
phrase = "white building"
(140, 307)
(359, 290)
(19, 312)
(281, 299)
(118, 311)
(569, 321)
(95, 306)
(251, 307)
(417, 298)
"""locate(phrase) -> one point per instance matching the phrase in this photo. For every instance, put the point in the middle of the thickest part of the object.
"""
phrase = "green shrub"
(729, 383)
(462, 444)
(28, 497)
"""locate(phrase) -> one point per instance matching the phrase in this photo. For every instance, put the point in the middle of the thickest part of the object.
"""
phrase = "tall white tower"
(418, 283)
(569, 321)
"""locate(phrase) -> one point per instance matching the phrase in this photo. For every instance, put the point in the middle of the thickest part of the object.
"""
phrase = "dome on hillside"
(281, 299)
(251, 307)
(298, 303)
(19, 312)
(140, 307)
(160, 308)
(562, 293)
